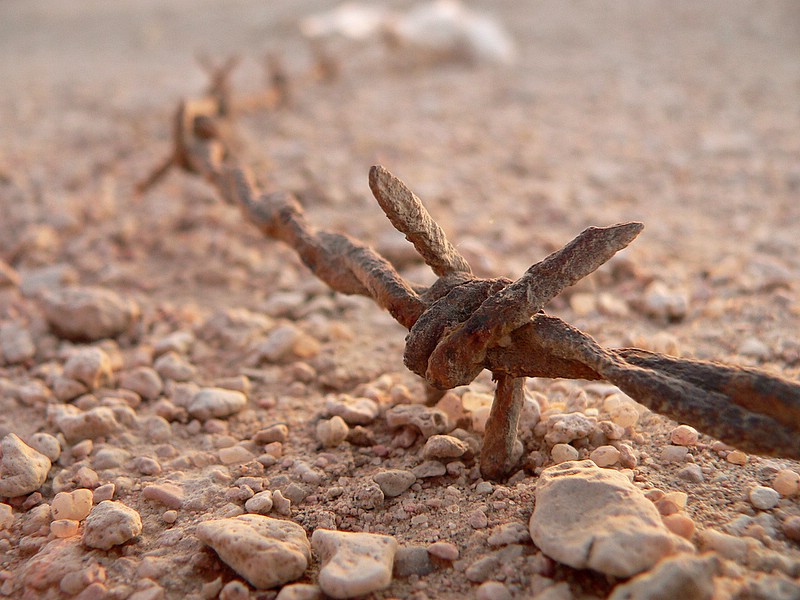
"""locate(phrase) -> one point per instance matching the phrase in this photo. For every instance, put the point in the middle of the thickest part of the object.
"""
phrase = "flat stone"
(16, 344)
(77, 425)
(175, 367)
(588, 517)
(682, 576)
(430, 468)
(443, 550)
(145, 381)
(24, 470)
(444, 447)
(75, 505)
(168, 494)
(208, 403)
(299, 591)
(91, 366)
(87, 313)
(353, 564)
(267, 552)
(394, 482)
(692, 473)
(412, 560)
(764, 498)
(111, 524)
(429, 421)
(261, 503)
(509, 533)
(354, 411)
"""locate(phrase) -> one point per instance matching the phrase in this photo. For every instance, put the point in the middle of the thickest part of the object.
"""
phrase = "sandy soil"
(683, 117)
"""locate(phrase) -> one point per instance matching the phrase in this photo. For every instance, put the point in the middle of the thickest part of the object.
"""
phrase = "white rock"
(564, 428)
(353, 564)
(208, 403)
(429, 421)
(662, 302)
(332, 432)
(684, 435)
(354, 411)
(88, 313)
(110, 524)
(168, 494)
(444, 447)
(260, 503)
(267, 552)
(75, 505)
(77, 425)
(588, 517)
(563, 452)
(46, 444)
(24, 469)
(394, 482)
(682, 576)
(604, 456)
(429, 468)
(173, 366)
(284, 342)
(64, 528)
(764, 498)
(299, 591)
(6, 516)
(145, 381)
(91, 366)
(492, 590)
(16, 344)
(509, 533)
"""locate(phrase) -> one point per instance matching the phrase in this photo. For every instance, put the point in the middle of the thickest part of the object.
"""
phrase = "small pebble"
(6, 516)
(281, 504)
(443, 550)
(235, 455)
(64, 528)
(354, 411)
(77, 425)
(429, 421)
(299, 591)
(692, 473)
(332, 432)
(111, 524)
(764, 498)
(275, 433)
(169, 516)
(679, 524)
(90, 366)
(175, 367)
(625, 415)
(786, 483)
(430, 468)
(492, 590)
(394, 482)
(684, 435)
(88, 314)
(604, 456)
(75, 505)
(353, 564)
(674, 454)
(104, 492)
(443, 447)
(145, 381)
(24, 470)
(46, 444)
(736, 457)
(791, 528)
(477, 519)
(16, 344)
(267, 552)
(484, 487)
(482, 569)
(260, 503)
(234, 590)
(209, 403)
(412, 560)
(509, 533)
(168, 494)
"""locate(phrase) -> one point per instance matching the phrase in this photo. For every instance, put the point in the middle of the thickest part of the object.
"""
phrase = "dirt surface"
(683, 117)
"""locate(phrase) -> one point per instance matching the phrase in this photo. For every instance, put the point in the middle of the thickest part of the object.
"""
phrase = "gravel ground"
(188, 413)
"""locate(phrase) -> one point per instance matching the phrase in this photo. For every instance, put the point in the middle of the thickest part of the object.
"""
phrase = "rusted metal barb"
(462, 324)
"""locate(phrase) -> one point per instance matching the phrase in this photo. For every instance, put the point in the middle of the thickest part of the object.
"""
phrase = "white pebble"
(111, 524)
(604, 456)
(91, 366)
(267, 552)
(24, 469)
(6, 516)
(492, 590)
(46, 444)
(16, 344)
(145, 381)
(563, 452)
(88, 313)
(235, 455)
(354, 411)
(764, 498)
(353, 564)
(261, 503)
(64, 528)
(684, 435)
(443, 447)
(208, 403)
(786, 482)
(394, 482)
(624, 415)
(168, 494)
(332, 432)
(75, 505)
(674, 454)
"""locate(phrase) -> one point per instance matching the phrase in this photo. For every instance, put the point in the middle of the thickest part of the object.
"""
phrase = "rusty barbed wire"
(463, 324)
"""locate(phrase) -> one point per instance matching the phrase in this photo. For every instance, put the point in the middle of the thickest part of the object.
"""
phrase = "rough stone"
(353, 564)
(332, 432)
(75, 505)
(6, 516)
(394, 482)
(682, 576)
(88, 314)
(563, 452)
(267, 552)
(208, 403)
(444, 447)
(91, 366)
(492, 590)
(77, 425)
(46, 444)
(443, 550)
(24, 470)
(588, 517)
(354, 411)
(260, 503)
(509, 533)
(684, 435)
(605, 456)
(692, 473)
(764, 498)
(16, 344)
(429, 421)
(564, 428)
(110, 524)
(145, 381)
